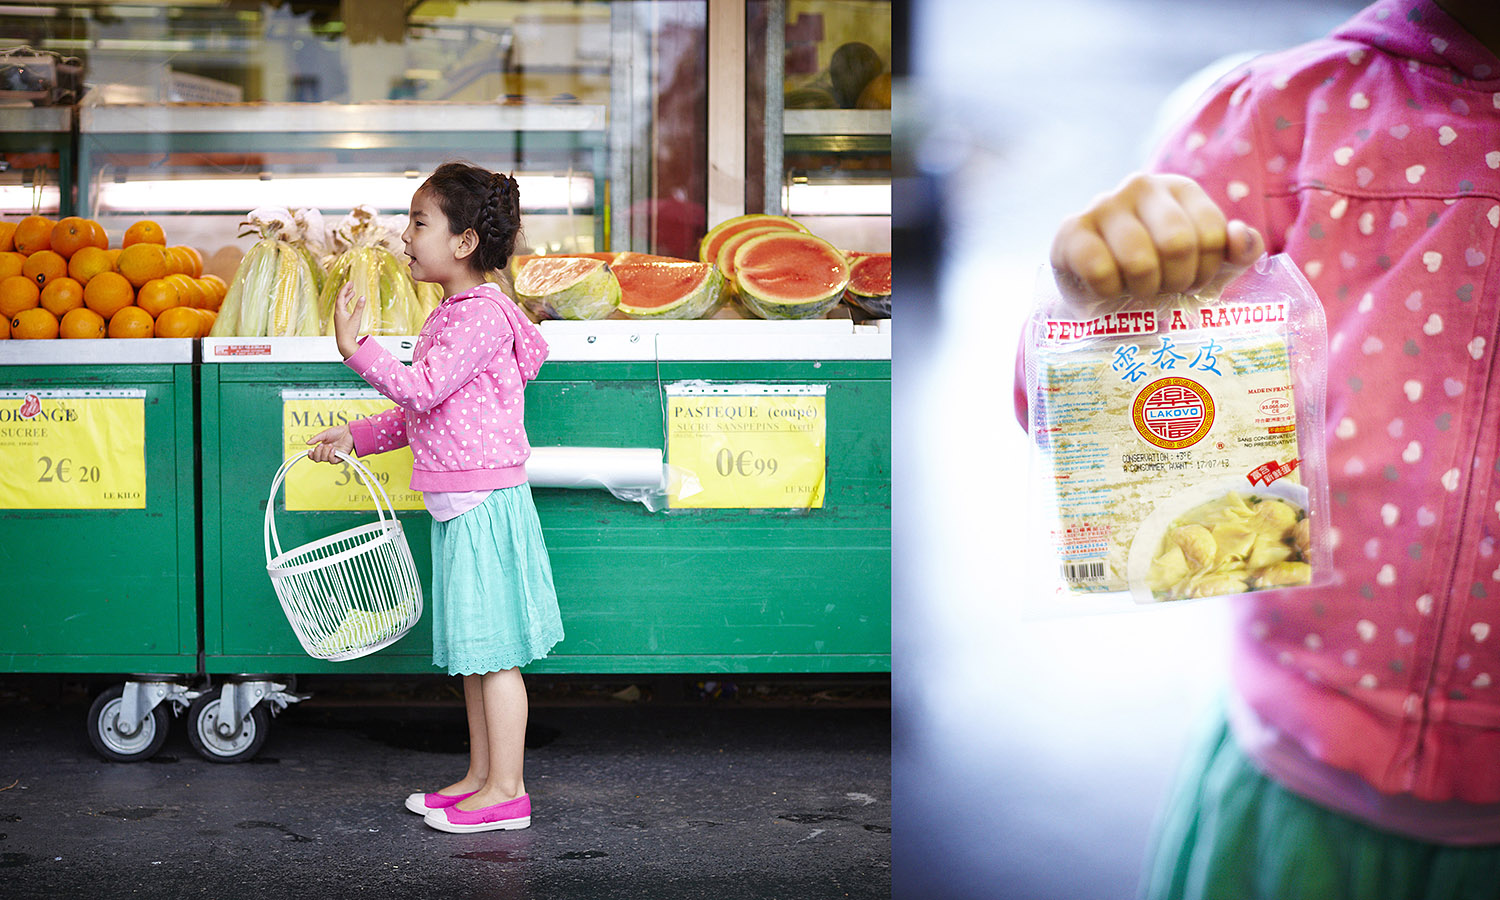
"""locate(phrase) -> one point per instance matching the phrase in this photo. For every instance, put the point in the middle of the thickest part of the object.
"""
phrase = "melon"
(568, 287)
(790, 275)
(669, 289)
(870, 283)
(731, 246)
(518, 260)
(708, 248)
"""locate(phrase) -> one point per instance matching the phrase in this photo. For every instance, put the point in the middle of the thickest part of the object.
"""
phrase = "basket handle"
(383, 507)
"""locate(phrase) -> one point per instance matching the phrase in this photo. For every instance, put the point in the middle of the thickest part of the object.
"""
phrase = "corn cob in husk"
(366, 260)
(273, 292)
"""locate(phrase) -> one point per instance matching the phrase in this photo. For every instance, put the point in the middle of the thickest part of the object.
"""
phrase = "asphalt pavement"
(664, 791)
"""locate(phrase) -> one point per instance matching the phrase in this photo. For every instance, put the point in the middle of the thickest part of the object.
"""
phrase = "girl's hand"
(348, 312)
(1153, 234)
(329, 440)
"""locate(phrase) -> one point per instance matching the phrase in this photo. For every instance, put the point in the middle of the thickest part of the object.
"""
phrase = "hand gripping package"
(1178, 440)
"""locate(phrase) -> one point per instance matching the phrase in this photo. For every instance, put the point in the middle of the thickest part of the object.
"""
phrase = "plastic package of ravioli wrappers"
(1178, 441)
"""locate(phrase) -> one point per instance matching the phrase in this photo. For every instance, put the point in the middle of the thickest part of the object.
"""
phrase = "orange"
(142, 262)
(33, 233)
(132, 322)
(11, 263)
(36, 324)
(71, 234)
(106, 293)
(100, 238)
(156, 296)
(180, 322)
(7, 244)
(18, 293)
(61, 295)
(81, 323)
(144, 232)
(4, 329)
(189, 292)
(210, 316)
(191, 260)
(87, 263)
(43, 266)
(216, 289)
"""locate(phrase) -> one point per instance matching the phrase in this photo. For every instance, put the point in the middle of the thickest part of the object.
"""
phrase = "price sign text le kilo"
(73, 449)
(746, 446)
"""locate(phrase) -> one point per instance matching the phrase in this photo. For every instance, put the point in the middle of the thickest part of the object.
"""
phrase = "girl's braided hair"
(488, 202)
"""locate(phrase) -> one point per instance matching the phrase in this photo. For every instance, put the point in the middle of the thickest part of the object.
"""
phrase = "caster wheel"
(110, 736)
(203, 734)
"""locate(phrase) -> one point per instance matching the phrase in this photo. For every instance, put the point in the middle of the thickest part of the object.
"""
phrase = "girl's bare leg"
(479, 753)
(502, 718)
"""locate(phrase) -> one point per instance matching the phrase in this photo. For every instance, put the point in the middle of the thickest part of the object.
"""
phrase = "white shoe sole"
(436, 819)
(417, 803)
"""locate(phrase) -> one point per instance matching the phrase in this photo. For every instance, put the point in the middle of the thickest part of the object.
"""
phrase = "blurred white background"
(1030, 755)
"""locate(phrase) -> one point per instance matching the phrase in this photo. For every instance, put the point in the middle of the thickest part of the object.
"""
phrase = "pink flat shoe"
(500, 817)
(422, 804)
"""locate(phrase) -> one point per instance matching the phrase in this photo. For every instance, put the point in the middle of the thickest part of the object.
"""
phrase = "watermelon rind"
(790, 275)
(870, 283)
(708, 248)
(568, 287)
(700, 301)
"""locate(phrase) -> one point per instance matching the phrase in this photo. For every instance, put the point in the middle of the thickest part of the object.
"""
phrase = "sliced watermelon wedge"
(870, 283)
(568, 287)
(732, 245)
(663, 289)
(708, 248)
(790, 275)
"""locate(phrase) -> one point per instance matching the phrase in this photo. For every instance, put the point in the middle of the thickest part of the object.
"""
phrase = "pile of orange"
(61, 279)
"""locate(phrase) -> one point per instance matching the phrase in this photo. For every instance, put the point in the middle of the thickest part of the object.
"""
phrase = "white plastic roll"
(612, 468)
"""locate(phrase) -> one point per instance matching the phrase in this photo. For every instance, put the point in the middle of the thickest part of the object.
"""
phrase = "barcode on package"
(1087, 571)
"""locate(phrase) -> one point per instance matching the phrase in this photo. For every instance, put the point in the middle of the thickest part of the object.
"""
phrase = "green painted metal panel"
(109, 590)
(640, 591)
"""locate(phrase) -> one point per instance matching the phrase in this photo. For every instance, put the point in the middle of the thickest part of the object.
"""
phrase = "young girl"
(460, 409)
(1360, 756)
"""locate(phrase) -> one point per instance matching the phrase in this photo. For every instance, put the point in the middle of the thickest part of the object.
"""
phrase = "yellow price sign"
(323, 487)
(73, 449)
(746, 446)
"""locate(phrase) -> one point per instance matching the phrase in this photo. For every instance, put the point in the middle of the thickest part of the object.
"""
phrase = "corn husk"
(274, 290)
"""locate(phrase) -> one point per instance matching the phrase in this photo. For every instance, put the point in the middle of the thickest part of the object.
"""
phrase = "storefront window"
(198, 112)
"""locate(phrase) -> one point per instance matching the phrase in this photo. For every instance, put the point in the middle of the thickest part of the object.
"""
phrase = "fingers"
(328, 442)
(1154, 234)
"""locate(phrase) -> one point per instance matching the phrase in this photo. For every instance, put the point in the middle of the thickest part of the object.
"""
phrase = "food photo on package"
(1177, 445)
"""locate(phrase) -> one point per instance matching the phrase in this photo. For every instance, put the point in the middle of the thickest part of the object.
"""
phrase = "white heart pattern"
(1366, 303)
(1367, 223)
(1476, 348)
(1446, 135)
(1452, 387)
(1494, 216)
(1359, 101)
(1340, 206)
(1366, 629)
(1237, 190)
(1482, 680)
(1387, 575)
(1346, 429)
(1424, 604)
(1412, 453)
(1450, 480)
(1413, 390)
(1492, 159)
(1434, 325)
(1342, 155)
(1414, 173)
(1425, 516)
(1432, 260)
(1372, 345)
(1414, 301)
(1480, 630)
(1390, 514)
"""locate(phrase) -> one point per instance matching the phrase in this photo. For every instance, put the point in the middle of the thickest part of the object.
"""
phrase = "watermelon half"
(568, 287)
(790, 275)
(708, 248)
(870, 283)
(662, 289)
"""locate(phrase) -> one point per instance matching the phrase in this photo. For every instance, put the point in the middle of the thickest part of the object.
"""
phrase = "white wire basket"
(350, 594)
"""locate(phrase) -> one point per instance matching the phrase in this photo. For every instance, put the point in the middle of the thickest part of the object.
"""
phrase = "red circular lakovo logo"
(1173, 413)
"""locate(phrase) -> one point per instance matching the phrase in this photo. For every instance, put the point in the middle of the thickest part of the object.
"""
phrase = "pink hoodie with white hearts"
(1373, 159)
(460, 405)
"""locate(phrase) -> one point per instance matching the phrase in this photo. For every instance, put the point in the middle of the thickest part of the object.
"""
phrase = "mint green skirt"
(493, 604)
(1230, 833)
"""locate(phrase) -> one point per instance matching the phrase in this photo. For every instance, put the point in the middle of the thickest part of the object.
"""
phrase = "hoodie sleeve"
(464, 345)
(379, 433)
